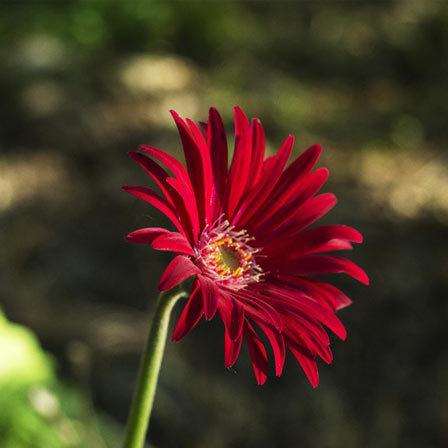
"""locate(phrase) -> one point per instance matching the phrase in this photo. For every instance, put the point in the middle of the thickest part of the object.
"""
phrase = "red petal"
(300, 167)
(319, 239)
(257, 353)
(307, 214)
(278, 346)
(156, 201)
(198, 164)
(232, 314)
(174, 242)
(295, 300)
(308, 365)
(168, 160)
(271, 173)
(287, 205)
(240, 166)
(324, 264)
(190, 316)
(210, 296)
(326, 294)
(158, 174)
(218, 150)
(258, 150)
(146, 235)
(232, 349)
(177, 271)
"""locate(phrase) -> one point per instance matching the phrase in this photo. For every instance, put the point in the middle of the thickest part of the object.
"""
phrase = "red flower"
(243, 233)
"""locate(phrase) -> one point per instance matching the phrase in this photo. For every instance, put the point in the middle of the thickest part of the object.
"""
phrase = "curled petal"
(177, 271)
(190, 316)
(174, 242)
(146, 235)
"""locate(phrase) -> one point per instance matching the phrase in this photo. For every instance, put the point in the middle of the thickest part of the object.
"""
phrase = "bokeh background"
(83, 82)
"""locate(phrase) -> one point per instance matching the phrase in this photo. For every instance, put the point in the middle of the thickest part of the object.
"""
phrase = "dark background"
(83, 82)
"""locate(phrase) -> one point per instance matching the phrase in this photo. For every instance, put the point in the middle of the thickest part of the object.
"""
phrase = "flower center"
(227, 258)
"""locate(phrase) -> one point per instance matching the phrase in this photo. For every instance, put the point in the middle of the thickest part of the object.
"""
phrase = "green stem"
(151, 362)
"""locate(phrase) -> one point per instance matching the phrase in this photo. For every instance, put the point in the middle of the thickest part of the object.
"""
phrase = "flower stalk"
(151, 361)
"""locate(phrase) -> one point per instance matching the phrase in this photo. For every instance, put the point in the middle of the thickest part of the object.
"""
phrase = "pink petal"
(177, 271)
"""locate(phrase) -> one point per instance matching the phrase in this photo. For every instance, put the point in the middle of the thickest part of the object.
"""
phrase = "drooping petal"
(190, 316)
(177, 271)
(210, 295)
(232, 349)
(278, 346)
(257, 353)
(232, 314)
(308, 365)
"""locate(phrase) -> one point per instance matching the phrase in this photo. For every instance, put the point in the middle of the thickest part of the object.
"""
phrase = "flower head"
(243, 231)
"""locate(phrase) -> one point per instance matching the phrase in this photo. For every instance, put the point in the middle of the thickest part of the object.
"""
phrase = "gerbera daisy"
(243, 232)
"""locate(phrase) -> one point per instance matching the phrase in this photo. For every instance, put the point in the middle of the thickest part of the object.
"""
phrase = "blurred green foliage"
(36, 409)
(83, 81)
